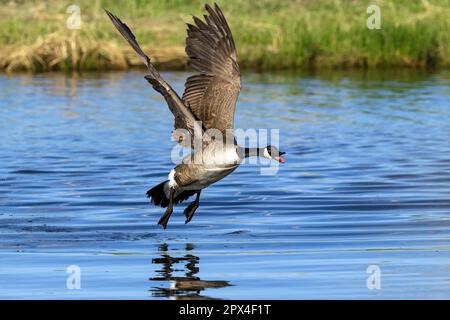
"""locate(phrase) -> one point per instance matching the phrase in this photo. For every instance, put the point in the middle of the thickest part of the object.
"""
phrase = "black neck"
(253, 152)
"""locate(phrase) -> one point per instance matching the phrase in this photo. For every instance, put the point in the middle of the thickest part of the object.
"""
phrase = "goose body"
(208, 103)
(217, 163)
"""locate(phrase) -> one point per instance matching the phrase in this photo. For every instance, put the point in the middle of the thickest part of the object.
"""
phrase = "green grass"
(270, 34)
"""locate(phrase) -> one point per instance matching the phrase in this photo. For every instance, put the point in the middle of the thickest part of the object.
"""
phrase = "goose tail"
(158, 195)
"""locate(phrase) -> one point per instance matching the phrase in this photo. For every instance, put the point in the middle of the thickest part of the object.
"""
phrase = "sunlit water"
(366, 183)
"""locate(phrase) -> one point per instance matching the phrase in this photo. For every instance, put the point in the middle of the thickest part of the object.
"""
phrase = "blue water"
(366, 183)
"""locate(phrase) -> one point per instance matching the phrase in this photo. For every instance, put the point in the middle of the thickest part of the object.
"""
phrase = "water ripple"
(367, 182)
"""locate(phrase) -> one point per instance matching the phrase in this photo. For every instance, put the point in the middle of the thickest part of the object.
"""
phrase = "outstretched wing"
(184, 118)
(212, 93)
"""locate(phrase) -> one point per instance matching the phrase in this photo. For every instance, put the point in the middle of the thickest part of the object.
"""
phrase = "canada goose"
(208, 103)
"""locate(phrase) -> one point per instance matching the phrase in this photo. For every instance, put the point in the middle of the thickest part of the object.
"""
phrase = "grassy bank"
(270, 34)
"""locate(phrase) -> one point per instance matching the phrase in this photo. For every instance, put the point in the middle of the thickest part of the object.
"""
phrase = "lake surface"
(363, 197)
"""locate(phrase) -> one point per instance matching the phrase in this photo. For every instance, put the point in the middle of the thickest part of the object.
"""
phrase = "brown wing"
(212, 93)
(184, 118)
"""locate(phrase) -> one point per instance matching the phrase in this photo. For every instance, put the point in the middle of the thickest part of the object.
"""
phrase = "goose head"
(271, 152)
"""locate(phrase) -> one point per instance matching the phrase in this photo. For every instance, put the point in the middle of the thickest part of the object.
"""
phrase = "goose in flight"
(206, 109)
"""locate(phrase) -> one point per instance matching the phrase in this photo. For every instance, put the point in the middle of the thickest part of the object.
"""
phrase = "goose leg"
(166, 216)
(190, 209)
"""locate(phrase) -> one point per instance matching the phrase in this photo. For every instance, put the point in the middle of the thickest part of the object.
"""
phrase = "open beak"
(280, 159)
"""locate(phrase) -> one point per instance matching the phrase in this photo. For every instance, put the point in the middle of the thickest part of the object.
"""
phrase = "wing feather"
(212, 93)
(184, 118)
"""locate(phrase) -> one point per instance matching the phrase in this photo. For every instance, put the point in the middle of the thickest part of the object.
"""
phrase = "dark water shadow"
(187, 287)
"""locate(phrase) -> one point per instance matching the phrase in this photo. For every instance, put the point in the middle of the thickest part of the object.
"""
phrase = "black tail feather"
(158, 196)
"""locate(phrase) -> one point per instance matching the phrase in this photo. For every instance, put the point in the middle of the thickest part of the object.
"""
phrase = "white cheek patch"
(266, 154)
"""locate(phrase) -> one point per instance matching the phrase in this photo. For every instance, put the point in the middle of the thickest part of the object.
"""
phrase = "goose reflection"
(185, 287)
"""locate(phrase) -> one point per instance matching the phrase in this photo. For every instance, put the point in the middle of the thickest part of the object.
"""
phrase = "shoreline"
(301, 35)
(175, 59)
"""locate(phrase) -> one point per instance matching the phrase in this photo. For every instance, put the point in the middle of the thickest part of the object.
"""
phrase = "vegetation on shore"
(270, 34)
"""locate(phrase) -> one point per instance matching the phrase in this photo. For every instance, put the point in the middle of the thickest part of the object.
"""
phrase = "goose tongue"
(280, 159)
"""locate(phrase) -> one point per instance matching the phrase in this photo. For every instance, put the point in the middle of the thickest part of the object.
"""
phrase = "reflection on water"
(185, 287)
